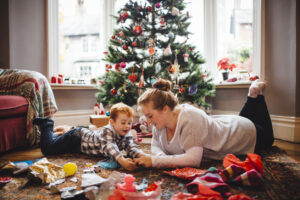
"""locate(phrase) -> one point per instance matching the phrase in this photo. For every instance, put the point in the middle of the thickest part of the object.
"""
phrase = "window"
(79, 31)
(74, 37)
(228, 28)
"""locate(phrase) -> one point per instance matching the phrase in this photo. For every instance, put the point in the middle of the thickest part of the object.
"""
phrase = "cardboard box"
(99, 120)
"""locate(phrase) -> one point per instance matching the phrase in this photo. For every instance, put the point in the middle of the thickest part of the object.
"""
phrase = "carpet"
(281, 178)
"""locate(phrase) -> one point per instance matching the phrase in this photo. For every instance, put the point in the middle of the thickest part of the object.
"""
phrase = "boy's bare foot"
(60, 130)
(256, 88)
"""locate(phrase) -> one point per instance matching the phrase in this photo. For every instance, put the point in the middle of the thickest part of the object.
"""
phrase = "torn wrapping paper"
(186, 173)
(153, 192)
(211, 180)
(46, 171)
(109, 164)
(188, 196)
(91, 179)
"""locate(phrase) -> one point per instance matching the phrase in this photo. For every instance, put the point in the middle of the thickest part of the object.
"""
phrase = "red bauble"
(137, 29)
(123, 64)
(134, 43)
(125, 15)
(125, 47)
(140, 8)
(113, 91)
(113, 37)
(149, 8)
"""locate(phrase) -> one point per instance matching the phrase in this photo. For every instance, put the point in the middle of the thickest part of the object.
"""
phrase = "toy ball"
(107, 113)
(70, 168)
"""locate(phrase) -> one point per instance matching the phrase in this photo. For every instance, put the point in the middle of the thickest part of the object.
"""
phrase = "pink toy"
(128, 184)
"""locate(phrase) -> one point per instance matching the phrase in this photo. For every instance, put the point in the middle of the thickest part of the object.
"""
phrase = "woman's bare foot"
(256, 88)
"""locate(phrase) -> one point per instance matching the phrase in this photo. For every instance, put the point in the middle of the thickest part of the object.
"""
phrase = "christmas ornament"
(121, 34)
(107, 67)
(125, 47)
(132, 77)
(137, 29)
(185, 57)
(181, 90)
(134, 44)
(171, 35)
(113, 91)
(175, 11)
(151, 50)
(141, 83)
(157, 5)
(193, 89)
(168, 51)
(139, 8)
(175, 68)
(122, 98)
(187, 14)
(125, 15)
(117, 67)
(123, 64)
(113, 37)
(152, 81)
(162, 21)
(149, 8)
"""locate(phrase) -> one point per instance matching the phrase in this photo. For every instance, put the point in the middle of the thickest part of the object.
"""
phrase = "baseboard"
(73, 118)
(285, 127)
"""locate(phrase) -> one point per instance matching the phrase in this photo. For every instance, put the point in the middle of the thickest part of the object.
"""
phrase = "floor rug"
(281, 178)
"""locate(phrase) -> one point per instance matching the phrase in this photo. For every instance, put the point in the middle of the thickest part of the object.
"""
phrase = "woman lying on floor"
(183, 134)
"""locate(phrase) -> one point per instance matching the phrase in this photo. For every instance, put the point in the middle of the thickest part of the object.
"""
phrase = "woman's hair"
(160, 94)
(120, 108)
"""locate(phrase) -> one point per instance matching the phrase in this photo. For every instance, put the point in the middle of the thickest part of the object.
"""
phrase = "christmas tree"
(151, 42)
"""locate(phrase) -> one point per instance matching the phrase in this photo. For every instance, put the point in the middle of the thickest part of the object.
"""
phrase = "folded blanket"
(36, 89)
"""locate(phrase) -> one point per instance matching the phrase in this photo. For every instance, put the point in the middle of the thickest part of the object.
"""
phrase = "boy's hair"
(120, 108)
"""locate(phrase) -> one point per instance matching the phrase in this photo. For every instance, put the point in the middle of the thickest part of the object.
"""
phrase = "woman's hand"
(127, 163)
(144, 160)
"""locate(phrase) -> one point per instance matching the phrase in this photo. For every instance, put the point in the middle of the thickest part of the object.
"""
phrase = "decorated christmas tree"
(150, 42)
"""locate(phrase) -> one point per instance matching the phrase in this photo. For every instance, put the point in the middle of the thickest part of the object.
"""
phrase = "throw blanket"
(36, 89)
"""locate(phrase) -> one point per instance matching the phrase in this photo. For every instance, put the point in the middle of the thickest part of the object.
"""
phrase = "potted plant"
(224, 65)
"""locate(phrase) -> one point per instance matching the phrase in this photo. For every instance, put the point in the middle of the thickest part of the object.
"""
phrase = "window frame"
(211, 37)
(210, 34)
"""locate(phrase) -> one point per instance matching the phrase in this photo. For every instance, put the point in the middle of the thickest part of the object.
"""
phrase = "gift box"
(99, 120)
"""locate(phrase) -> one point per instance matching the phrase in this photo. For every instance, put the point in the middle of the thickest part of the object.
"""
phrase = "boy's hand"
(144, 160)
(127, 163)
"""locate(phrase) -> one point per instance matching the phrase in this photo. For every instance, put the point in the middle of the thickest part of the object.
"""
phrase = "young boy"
(108, 141)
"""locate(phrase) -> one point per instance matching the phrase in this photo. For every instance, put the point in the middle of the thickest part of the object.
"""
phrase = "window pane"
(79, 28)
(235, 32)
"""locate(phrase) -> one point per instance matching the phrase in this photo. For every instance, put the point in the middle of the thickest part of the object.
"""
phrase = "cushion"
(12, 106)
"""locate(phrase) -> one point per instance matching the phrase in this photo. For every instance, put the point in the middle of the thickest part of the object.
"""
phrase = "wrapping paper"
(186, 173)
(47, 171)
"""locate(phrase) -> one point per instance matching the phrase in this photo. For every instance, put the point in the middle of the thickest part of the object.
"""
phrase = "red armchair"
(13, 115)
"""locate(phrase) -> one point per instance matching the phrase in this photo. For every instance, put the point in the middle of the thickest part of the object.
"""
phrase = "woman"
(183, 134)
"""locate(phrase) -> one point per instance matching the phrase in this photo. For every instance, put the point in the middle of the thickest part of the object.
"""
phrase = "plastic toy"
(128, 184)
(70, 168)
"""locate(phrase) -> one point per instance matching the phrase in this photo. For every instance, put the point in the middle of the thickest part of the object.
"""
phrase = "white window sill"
(237, 84)
(56, 86)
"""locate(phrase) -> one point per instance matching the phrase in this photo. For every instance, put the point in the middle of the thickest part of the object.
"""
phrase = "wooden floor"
(292, 149)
